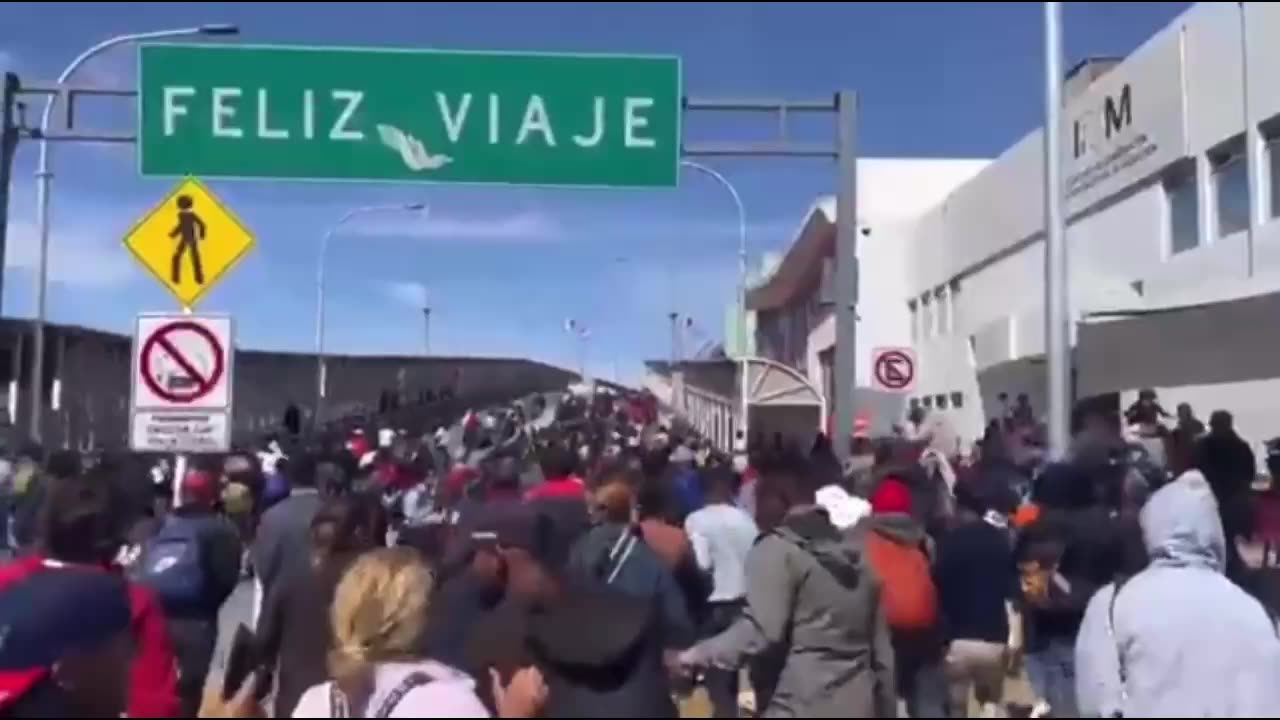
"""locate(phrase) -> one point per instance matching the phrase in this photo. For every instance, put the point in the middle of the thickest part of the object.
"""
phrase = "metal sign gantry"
(842, 105)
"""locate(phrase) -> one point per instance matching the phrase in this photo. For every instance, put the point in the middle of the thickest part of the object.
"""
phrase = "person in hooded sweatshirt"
(898, 550)
(1178, 639)
(813, 606)
(616, 554)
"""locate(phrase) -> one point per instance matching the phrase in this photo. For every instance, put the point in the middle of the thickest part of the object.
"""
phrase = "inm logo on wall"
(1105, 144)
(1095, 128)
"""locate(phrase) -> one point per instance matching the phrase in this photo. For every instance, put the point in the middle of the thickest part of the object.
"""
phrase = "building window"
(941, 402)
(1184, 211)
(927, 401)
(1273, 173)
(953, 295)
(957, 400)
(944, 310)
(1231, 188)
(926, 317)
(914, 308)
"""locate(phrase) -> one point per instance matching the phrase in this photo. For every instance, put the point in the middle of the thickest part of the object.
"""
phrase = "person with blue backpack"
(192, 564)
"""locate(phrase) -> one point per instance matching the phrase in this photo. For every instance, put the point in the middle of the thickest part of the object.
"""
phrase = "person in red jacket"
(81, 526)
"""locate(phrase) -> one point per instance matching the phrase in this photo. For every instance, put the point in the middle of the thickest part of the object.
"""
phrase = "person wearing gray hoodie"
(1178, 639)
(813, 615)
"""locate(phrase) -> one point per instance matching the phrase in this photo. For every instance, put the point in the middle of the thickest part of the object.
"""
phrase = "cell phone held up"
(244, 660)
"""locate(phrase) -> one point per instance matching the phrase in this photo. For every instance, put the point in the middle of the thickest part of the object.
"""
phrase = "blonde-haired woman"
(377, 669)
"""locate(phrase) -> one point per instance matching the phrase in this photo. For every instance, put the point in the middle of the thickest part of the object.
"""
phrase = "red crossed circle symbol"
(160, 340)
(895, 369)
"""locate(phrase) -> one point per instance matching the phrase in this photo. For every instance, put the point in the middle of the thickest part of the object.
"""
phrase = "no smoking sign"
(182, 362)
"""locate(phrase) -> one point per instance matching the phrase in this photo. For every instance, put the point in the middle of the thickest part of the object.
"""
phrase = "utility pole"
(843, 105)
(674, 317)
(426, 330)
(9, 127)
(847, 270)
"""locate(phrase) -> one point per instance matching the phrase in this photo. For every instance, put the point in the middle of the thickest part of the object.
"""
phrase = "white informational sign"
(181, 398)
(175, 431)
(893, 369)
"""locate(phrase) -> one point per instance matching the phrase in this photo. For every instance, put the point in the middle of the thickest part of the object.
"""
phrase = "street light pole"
(317, 418)
(581, 334)
(44, 179)
(1056, 292)
(742, 246)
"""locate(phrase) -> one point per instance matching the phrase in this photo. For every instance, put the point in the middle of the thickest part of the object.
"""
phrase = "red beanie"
(893, 496)
(199, 488)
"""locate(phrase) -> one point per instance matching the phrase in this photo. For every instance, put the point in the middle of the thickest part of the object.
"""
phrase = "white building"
(1174, 247)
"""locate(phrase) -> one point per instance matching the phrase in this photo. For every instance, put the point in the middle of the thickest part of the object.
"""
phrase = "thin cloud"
(412, 294)
(79, 256)
(437, 227)
(114, 69)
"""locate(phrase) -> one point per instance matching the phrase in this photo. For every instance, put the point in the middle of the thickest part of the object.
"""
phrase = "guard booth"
(713, 396)
(779, 400)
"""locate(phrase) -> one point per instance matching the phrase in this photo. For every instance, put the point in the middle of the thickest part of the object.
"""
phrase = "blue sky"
(503, 267)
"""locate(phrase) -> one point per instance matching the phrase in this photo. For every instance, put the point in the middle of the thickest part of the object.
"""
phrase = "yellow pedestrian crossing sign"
(189, 241)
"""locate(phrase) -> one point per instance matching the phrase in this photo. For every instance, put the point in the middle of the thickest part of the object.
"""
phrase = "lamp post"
(742, 245)
(44, 179)
(742, 353)
(318, 415)
(581, 334)
(426, 330)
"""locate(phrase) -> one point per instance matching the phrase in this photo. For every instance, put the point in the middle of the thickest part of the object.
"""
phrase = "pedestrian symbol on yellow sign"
(189, 241)
(190, 230)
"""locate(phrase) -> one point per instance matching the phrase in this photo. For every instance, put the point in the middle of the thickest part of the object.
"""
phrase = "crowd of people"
(585, 559)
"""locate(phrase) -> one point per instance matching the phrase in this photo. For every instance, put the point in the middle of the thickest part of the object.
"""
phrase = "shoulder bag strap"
(397, 695)
(1115, 641)
(621, 552)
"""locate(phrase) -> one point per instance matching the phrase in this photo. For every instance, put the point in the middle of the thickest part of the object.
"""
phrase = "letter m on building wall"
(1117, 113)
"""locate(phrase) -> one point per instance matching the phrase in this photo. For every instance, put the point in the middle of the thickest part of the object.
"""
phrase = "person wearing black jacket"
(975, 576)
(1230, 468)
(1063, 559)
(194, 629)
(615, 670)
(294, 628)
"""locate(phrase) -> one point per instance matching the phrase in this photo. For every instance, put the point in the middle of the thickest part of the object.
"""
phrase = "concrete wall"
(92, 373)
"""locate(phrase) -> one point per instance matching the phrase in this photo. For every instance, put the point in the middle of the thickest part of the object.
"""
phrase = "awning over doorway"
(1209, 343)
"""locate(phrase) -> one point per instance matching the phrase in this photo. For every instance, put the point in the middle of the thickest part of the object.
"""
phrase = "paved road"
(238, 609)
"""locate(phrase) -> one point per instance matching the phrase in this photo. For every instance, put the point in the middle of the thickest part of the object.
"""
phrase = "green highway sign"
(303, 113)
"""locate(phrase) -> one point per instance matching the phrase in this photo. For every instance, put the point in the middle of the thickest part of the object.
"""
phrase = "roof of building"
(890, 190)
